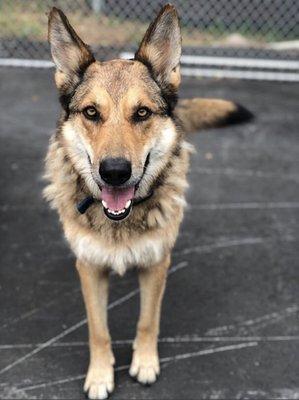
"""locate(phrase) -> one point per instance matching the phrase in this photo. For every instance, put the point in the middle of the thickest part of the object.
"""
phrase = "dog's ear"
(160, 48)
(70, 54)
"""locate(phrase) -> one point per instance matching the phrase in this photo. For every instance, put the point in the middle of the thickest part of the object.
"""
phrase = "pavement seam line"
(177, 357)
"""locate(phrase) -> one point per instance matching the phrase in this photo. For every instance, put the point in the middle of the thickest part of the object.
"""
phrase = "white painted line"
(52, 383)
(255, 323)
(233, 62)
(183, 264)
(241, 62)
(192, 72)
(67, 331)
(211, 339)
(177, 267)
(169, 340)
(239, 74)
(43, 346)
(208, 248)
(66, 380)
(209, 351)
(74, 327)
(20, 62)
(287, 45)
(237, 62)
(245, 172)
(162, 360)
(35, 310)
(245, 206)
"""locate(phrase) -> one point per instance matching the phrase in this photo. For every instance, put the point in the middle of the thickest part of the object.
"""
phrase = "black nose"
(115, 171)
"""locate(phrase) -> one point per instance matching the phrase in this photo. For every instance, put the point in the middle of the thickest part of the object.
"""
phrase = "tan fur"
(94, 283)
(145, 239)
(145, 364)
(122, 245)
(199, 113)
(161, 46)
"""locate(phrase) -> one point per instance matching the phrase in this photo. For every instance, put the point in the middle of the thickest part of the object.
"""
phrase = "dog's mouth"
(117, 202)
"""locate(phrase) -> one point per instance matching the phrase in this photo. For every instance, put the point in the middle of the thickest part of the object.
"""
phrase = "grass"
(28, 20)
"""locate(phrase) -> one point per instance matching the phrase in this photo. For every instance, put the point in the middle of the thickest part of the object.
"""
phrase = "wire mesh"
(225, 28)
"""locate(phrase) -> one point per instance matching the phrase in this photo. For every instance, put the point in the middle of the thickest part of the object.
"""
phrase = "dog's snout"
(115, 171)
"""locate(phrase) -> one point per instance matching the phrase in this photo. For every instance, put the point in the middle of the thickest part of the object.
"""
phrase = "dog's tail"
(199, 113)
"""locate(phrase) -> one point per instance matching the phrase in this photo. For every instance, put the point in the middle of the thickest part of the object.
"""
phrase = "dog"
(117, 168)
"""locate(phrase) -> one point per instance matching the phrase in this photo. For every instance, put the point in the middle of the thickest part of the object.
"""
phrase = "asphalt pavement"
(230, 327)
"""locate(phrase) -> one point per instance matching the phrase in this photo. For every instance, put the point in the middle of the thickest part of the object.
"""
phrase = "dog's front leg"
(145, 364)
(100, 376)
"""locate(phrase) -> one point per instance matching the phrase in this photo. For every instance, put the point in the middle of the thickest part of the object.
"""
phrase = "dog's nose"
(115, 171)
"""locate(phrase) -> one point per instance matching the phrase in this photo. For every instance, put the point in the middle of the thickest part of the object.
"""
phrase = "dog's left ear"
(161, 46)
(70, 54)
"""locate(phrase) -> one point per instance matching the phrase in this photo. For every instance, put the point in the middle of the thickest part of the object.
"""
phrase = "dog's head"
(117, 124)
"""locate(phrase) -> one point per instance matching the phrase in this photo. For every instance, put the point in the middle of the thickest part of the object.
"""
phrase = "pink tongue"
(116, 199)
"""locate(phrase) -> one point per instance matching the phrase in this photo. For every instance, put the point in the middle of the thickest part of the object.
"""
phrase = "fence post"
(97, 5)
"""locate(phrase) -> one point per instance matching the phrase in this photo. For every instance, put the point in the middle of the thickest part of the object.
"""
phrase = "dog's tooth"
(104, 204)
(116, 212)
(128, 203)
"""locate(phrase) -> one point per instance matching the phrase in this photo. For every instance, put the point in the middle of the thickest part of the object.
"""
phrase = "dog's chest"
(141, 252)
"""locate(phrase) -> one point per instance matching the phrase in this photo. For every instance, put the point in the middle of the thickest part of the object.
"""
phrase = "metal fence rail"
(262, 34)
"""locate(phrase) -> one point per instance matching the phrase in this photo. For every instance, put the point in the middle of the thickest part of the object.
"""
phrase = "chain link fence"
(215, 32)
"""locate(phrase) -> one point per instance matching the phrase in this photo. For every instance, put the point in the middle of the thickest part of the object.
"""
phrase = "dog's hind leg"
(100, 376)
(145, 363)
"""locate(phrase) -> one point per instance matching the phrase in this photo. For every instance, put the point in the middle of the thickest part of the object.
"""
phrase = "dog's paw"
(99, 382)
(145, 366)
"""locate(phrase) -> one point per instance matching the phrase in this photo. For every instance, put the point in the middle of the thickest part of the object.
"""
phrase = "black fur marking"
(160, 181)
(65, 100)
(68, 89)
(170, 96)
(88, 56)
(166, 21)
(238, 116)
(177, 150)
(146, 162)
(148, 65)
(168, 93)
(68, 92)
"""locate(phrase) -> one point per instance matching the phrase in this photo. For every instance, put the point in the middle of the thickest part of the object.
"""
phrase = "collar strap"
(83, 206)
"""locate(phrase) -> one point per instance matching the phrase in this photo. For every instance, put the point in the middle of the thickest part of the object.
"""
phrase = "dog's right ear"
(70, 54)
(160, 48)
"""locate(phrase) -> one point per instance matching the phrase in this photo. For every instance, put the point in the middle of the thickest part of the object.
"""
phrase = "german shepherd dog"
(117, 168)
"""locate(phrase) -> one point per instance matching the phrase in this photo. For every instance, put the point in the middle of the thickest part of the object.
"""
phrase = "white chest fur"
(143, 252)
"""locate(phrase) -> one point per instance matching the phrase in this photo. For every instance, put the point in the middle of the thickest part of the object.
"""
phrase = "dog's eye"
(91, 113)
(142, 114)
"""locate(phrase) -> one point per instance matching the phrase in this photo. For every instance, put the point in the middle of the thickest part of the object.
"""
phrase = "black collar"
(84, 204)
